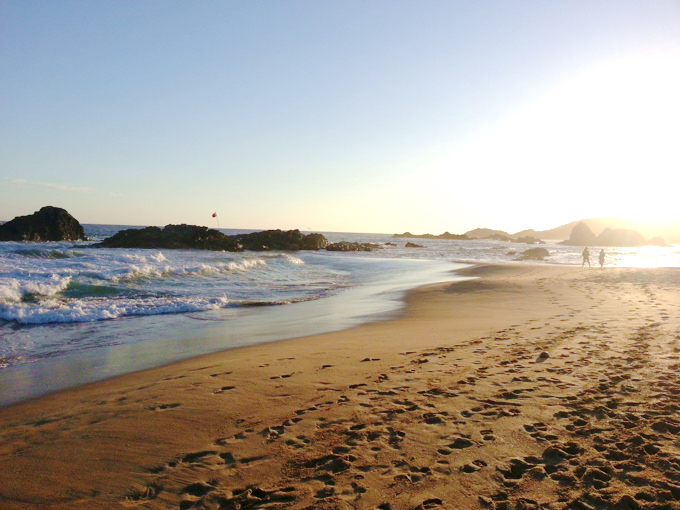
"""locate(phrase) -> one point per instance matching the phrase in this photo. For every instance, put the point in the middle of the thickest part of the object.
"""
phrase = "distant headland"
(611, 232)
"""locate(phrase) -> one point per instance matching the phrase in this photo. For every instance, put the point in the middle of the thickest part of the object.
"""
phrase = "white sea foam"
(292, 259)
(59, 311)
(158, 257)
(43, 283)
(14, 290)
(10, 290)
(134, 272)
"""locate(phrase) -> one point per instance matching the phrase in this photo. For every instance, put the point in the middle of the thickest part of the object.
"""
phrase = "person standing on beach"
(586, 257)
(601, 258)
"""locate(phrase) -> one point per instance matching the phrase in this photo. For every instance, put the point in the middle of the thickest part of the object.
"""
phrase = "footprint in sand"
(147, 493)
(231, 440)
(221, 373)
(161, 407)
(223, 389)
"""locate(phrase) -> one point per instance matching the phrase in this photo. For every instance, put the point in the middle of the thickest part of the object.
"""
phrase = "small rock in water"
(543, 355)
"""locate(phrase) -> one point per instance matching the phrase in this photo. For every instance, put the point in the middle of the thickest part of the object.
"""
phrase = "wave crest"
(96, 309)
(13, 290)
(41, 253)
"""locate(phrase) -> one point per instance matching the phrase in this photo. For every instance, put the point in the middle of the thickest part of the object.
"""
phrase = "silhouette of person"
(586, 257)
(601, 258)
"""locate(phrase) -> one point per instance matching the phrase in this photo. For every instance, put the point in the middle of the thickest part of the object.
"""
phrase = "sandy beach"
(532, 386)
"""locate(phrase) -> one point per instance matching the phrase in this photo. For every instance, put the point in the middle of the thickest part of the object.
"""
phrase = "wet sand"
(530, 387)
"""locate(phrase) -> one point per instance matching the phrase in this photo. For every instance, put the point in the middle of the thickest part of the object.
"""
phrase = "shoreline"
(452, 403)
(146, 342)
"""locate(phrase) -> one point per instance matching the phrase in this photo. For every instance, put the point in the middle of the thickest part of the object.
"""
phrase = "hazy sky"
(366, 115)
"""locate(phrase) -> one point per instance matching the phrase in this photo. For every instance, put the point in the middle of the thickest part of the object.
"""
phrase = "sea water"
(71, 314)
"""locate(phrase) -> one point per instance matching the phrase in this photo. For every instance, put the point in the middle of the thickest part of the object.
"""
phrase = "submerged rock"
(47, 224)
(534, 254)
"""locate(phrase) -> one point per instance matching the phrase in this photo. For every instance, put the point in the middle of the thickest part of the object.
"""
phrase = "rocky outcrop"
(281, 240)
(534, 254)
(414, 245)
(202, 238)
(347, 246)
(487, 233)
(174, 237)
(581, 235)
(47, 224)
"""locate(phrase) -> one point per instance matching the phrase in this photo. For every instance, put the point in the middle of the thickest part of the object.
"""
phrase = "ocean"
(71, 314)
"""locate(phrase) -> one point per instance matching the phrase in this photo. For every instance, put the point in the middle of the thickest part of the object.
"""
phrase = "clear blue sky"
(373, 116)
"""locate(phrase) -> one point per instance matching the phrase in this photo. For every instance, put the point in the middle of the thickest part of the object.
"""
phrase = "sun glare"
(606, 138)
(648, 256)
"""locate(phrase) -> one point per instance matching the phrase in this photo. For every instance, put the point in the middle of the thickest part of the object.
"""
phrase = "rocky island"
(582, 235)
(47, 224)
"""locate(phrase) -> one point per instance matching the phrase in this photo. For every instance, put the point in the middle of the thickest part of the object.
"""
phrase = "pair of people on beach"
(586, 257)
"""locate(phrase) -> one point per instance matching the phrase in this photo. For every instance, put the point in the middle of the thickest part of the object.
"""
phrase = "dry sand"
(531, 387)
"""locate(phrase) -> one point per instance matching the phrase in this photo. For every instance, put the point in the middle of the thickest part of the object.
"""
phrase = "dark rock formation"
(281, 240)
(175, 237)
(203, 238)
(413, 245)
(534, 254)
(581, 235)
(47, 224)
(347, 246)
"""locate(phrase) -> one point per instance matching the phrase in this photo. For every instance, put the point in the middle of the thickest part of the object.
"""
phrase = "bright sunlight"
(606, 139)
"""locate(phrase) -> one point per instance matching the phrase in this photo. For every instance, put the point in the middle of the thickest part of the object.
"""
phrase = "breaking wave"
(60, 284)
